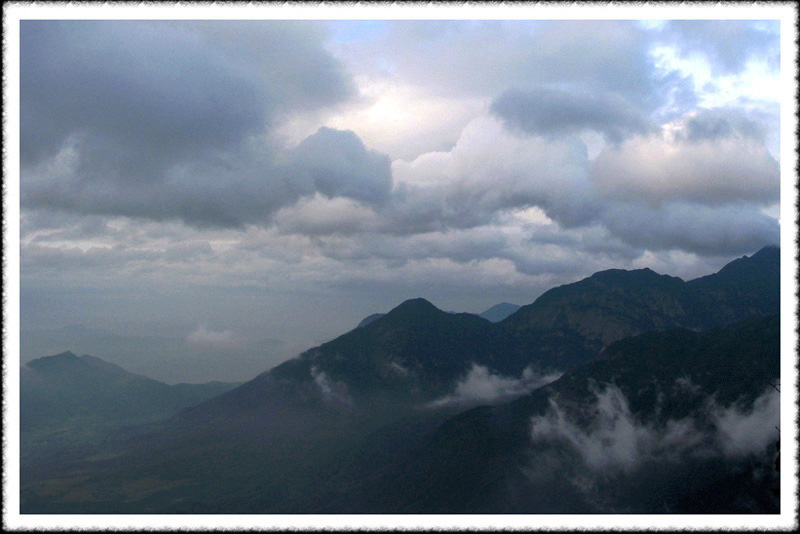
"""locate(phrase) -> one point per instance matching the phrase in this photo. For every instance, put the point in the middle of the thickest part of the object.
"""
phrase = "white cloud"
(615, 439)
(744, 431)
(203, 337)
(480, 385)
(331, 391)
(491, 169)
(319, 215)
(669, 167)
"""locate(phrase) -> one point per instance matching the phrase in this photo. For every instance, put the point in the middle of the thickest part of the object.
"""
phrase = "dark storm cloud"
(548, 111)
(165, 120)
(135, 92)
(727, 44)
(237, 188)
(703, 230)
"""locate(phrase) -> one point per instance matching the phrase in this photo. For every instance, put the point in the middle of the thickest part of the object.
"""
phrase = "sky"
(219, 183)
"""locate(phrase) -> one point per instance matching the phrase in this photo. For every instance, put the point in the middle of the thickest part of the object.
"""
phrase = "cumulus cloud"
(550, 111)
(238, 188)
(704, 230)
(704, 163)
(615, 439)
(490, 170)
(338, 164)
(171, 121)
(480, 385)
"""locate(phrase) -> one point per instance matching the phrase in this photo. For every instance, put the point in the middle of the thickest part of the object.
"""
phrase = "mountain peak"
(414, 306)
(758, 265)
(628, 277)
(770, 253)
(57, 359)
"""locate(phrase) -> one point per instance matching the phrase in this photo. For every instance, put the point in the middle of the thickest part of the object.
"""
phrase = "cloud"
(616, 439)
(742, 430)
(703, 230)
(487, 57)
(705, 162)
(234, 189)
(168, 120)
(338, 164)
(721, 123)
(134, 89)
(203, 337)
(481, 386)
(319, 215)
(164, 90)
(547, 111)
(490, 170)
(331, 391)
(726, 44)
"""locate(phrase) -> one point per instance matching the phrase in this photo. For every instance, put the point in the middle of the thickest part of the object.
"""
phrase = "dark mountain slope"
(370, 318)
(603, 451)
(748, 286)
(411, 355)
(569, 325)
(417, 353)
(292, 439)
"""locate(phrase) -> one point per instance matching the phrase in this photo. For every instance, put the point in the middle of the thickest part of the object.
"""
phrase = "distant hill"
(498, 312)
(166, 359)
(57, 388)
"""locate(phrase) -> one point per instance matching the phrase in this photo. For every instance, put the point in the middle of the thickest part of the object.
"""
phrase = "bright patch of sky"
(758, 81)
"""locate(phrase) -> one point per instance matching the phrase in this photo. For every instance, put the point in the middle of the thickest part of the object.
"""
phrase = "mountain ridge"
(417, 353)
(357, 424)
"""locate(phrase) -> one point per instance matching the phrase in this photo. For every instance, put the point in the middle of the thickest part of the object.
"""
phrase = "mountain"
(368, 422)
(166, 359)
(417, 353)
(569, 325)
(677, 421)
(411, 355)
(364, 322)
(664, 422)
(65, 386)
(498, 312)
